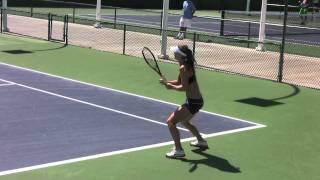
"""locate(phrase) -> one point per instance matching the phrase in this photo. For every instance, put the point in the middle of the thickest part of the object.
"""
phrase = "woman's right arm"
(173, 82)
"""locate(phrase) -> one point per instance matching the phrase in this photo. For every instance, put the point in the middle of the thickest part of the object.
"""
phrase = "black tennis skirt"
(193, 105)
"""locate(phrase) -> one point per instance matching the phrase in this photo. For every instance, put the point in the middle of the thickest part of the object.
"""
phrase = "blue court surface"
(231, 28)
(46, 119)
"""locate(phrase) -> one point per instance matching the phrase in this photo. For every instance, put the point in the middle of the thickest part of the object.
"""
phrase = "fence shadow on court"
(21, 51)
(52, 49)
(261, 102)
(211, 161)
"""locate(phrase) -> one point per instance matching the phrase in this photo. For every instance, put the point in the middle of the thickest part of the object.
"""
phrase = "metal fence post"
(194, 43)
(282, 50)
(73, 14)
(124, 39)
(1, 21)
(249, 34)
(115, 18)
(49, 26)
(222, 23)
(66, 29)
(31, 12)
(161, 18)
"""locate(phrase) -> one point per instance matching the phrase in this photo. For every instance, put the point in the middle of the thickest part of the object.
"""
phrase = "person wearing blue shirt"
(185, 20)
(304, 5)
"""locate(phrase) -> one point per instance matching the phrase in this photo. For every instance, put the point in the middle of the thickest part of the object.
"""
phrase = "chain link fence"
(227, 54)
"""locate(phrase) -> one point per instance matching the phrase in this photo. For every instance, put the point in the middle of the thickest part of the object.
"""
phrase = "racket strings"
(150, 59)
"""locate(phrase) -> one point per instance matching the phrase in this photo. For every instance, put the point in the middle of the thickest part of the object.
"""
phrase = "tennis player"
(316, 6)
(304, 11)
(186, 82)
(186, 19)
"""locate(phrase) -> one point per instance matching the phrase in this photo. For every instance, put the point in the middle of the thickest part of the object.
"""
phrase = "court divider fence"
(300, 64)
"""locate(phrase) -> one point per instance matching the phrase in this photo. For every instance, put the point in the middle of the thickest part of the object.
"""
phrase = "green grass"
(286, 150)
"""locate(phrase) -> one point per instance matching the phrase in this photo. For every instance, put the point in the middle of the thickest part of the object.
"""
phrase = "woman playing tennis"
(186, 82)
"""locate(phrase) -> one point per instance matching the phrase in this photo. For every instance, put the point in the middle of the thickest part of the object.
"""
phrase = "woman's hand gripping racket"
(152, 63)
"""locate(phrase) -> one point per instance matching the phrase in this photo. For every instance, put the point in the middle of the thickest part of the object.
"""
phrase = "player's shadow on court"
(211, 161)
(261, 102)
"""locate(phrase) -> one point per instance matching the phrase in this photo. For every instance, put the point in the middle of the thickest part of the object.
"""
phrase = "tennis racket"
(151, 60)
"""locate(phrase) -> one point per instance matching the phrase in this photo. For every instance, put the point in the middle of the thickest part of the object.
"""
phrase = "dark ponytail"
(189, 59)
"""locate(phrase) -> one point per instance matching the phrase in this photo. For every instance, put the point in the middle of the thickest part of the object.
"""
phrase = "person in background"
(316, 6)
(186, 19)
(304, 5)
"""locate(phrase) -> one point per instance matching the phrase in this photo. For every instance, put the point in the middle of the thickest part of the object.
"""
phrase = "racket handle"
(163, 80)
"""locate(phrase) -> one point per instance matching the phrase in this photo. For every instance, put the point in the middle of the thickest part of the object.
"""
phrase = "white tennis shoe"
(176, 154)
(178, 36)
(200, 144)
(182, 36)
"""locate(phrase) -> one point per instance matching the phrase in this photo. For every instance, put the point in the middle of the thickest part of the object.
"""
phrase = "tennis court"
(233, 23)
(79, 102)
(62, 120)
(296, 34)
(53, 123)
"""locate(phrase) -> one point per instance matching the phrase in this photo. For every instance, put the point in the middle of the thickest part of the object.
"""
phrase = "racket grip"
(163, 80)
(163, 77)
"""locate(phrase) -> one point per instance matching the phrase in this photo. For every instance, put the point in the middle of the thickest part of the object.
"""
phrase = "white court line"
(216, 31)
(203, 22)
(257, 126)
(156, 24)
(69, 161)
(7, 84)
(211, 30)
(124, 92)
(298, 41)
(91, 104)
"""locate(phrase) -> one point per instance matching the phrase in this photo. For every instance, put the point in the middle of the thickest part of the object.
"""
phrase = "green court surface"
(287, 149)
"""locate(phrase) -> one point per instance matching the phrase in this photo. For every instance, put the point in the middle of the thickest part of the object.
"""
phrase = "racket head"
(151, 60)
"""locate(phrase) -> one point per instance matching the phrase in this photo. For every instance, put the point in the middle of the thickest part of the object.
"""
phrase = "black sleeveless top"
(191, 79)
